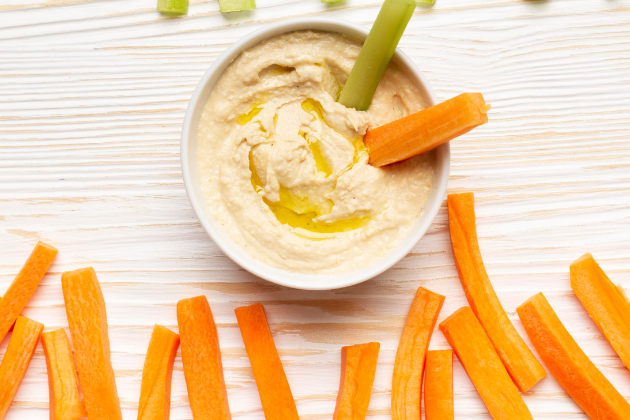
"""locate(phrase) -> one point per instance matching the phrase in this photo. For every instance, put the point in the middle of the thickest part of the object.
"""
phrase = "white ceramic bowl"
(235, 252)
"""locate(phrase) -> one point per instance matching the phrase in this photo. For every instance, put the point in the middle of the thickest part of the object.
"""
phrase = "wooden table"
(92, 97)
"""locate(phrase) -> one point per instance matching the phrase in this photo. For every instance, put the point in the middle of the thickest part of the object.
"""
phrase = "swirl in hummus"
(283, 167)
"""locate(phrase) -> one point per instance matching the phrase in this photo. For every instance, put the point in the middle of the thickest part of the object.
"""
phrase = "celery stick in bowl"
(377, 51)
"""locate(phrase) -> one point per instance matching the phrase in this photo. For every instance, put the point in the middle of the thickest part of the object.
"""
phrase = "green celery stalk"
(229, 6)
(331, 1)
(377, 51)
(173, 7)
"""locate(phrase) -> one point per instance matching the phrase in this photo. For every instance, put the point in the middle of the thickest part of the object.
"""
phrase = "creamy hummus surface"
(283, 167)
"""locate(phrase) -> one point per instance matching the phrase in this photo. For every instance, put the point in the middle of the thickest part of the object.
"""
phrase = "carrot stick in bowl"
(425, 130)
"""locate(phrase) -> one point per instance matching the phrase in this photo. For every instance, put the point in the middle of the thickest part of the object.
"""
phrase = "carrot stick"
(12, 325)
(24, 285)
(425, 130)
(63, 387)
(604, 303)
(438, 385)
(155, 393)
(358, 367)
(273, 387)
(16, 360)
(409, 364)
(568, 364)
(518, 359)
(87, 318)
(480, 360)
(201, 357)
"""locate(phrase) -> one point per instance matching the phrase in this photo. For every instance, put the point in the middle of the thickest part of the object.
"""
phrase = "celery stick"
(173, 7)
(331, 1)
(229, 6)
(376, 53)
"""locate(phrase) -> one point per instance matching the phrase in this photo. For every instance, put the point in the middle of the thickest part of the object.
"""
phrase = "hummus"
(282, 165)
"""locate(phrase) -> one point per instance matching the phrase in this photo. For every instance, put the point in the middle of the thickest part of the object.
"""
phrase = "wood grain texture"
(92, 97)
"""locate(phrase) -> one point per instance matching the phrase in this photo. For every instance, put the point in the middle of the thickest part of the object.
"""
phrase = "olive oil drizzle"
(245, 118)
(300, 212)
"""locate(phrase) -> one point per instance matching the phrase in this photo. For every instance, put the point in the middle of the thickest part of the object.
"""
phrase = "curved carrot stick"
(87, 318)
(358, 367)
(273, 386)
(604, 303)
(63, 386)
(475, 351)
(409, 364)
(16, 360)
(155, 393)
(568, 364)
(201, 357)
(24, 285)
(518, 359)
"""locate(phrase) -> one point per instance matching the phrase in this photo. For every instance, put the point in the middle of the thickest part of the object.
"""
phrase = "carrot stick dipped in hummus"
(414, 134)
(425, 130)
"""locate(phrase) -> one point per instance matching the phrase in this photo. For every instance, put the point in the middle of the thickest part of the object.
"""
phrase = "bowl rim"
(232, 249)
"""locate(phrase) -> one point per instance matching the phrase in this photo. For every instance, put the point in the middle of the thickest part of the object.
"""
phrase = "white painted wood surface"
(92, 96)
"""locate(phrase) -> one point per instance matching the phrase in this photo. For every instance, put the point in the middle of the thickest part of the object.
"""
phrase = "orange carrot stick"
(358, 367)
(568, 364)
(425, 130)
(24, 285)
(16, 360)
(12, 325)
(155, 393)
(201, 357)
(409, 364)
(604, 303)
(273, 387)
(475, 352)
(87, 318)
(63, 387)
(438, 385)
(518, 359)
